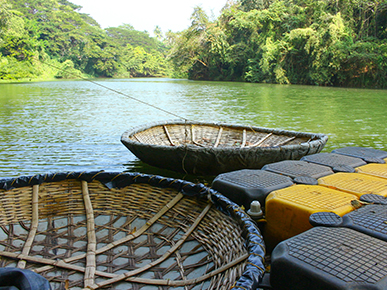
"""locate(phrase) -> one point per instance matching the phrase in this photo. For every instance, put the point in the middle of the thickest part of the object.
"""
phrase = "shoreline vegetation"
(340, 43)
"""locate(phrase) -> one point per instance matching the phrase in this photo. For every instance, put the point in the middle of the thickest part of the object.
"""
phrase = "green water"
(76, 125)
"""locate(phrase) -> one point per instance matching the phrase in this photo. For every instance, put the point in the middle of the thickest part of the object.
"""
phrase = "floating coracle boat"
(214, 148)
(127, 231)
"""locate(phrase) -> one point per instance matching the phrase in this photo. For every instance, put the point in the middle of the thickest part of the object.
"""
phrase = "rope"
(132, 98)
(117, 92)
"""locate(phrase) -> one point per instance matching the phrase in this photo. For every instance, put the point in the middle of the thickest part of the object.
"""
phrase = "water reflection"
(76, 125)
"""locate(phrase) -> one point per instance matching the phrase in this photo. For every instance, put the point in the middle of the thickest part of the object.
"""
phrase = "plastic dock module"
(369, 219)
(374, 198)
(338, 162)
(375, 169)
(247, 185)
(330, 258)
(369, 155)
(288, 209)
(355, 183)
(302, 172)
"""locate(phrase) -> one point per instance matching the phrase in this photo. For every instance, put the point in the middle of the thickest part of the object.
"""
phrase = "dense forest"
(314, 42)
(41, 39)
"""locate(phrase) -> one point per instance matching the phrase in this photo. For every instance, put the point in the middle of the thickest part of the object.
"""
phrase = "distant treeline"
(51, 38)
(314, 42)
(326, 42)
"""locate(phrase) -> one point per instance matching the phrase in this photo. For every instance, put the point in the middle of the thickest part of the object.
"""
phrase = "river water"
(65, 126)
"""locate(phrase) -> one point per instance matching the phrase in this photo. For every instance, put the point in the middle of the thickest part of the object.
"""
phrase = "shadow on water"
(141, 167)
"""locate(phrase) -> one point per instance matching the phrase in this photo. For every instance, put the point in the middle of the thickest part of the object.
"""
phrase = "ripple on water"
(76, 125)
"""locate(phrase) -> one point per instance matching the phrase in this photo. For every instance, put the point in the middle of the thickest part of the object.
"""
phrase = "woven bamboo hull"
(127, 231)
(211, 149)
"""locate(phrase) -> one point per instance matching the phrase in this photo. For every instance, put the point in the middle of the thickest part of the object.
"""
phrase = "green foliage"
(189, 47)
(317, 42)
(5, 15)
(126, 34)
(13, 69)
(248, 5)
(35, 31)
(67, 71)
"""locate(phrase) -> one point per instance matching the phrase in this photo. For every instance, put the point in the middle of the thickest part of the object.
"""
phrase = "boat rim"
(126, 136)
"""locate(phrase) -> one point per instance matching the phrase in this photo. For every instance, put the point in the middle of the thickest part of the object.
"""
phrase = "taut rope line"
(118, 92)
(125, 95)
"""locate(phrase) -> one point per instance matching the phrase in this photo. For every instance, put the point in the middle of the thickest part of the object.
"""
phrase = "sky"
(145, 15)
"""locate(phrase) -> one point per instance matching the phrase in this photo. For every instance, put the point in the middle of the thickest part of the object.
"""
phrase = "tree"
(248, 5)
(126, 34)
(55, 32)
(188, 52)
(323, 42)
(18, 47)
(158, 33)
(5, 15)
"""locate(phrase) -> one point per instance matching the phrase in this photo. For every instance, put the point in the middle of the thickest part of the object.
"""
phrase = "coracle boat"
(101, 230)
(212, 148)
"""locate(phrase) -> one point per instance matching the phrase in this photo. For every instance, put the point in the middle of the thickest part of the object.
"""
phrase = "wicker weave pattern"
(64, 234)
(157, 137)
(211, 136)
(214, 148)
(22, 211)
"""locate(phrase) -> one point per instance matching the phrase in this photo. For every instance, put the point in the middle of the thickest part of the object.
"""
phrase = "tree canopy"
(314, 42)
(35, 34)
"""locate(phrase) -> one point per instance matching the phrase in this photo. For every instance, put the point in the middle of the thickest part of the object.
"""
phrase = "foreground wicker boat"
(127, 231)
(210, 149)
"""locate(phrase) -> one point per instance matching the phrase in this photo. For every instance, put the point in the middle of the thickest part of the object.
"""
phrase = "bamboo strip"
(129, 237)
(53, 263)
(167, 282)
(186, 133)
(192, 134)
(34, 225)
(91, 238)
(243, 139)
(160, 282)
(262, 140)
(198, 144)
(218, 138)
(193, 137)
(147, 225)
(286, 141)
(169, 136)
(135, 137)
(179, 264)
(159, 260)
